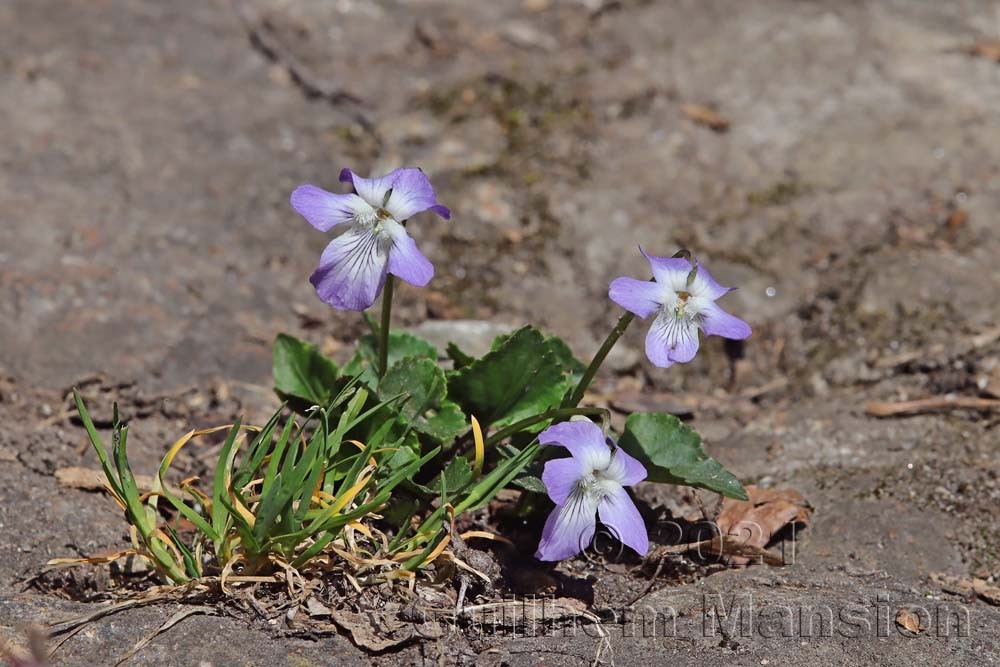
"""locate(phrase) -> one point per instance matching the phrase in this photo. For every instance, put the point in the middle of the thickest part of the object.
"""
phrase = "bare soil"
(148, 252)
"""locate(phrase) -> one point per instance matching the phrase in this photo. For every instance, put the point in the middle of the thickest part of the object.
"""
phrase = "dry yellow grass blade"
(134, 534)
(186, 485)
(169, 623)
(462, 565)
(291, 576)
(91, 560)
(168, 459)
(323, 499)
(482, 534)
(438, 550)
(89, 479)
(354, 490)
(361, 528)
(477, 436)
(361, 561)
(194, 433)
(163, 537)
(249, 485)
(227, 574)
(252, 579)
(244, 512)
(354, 582)
(361, 446)
(71, 626)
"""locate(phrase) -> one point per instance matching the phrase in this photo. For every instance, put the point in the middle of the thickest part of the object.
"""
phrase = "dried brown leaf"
(987, 48)
(756, 521)
(372, 631)
(968, 586)
(909, 621)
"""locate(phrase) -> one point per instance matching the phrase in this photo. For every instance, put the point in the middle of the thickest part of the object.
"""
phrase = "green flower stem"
(555, 413)
(383, 332)
(588, 375)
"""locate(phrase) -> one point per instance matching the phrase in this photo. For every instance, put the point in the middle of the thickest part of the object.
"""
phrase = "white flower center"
(684, 305)
(372, 219)
(602, 481)
(380, 224)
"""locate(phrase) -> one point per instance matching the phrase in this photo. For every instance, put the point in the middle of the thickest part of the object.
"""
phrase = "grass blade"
(98, 444)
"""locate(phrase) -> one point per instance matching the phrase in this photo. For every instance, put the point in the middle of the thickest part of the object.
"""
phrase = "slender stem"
(554, 413)
(383, 332)
(588, 375)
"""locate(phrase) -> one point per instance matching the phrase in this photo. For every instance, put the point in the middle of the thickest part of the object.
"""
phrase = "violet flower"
(683, 299)
(592, 481)
(354, 265)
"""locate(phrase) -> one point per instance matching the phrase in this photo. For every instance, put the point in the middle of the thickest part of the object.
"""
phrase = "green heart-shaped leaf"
(673, 454)
(426, 409)
(302, 374)
(522, 376)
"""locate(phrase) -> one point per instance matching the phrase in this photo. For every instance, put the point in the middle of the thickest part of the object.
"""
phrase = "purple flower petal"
(441, 210)
(405, 259)
(671, 339)
(618, 512)
(637, 296)
(717, 322)
(351, 271)
(372, 190)
(325, 210)
(669, 271)
(584, 440)
(412, 192)
(560, 477)
(569, 528)
(704, 284)
(624, 468)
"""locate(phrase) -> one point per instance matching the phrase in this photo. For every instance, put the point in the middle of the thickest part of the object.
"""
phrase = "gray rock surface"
(147, 151)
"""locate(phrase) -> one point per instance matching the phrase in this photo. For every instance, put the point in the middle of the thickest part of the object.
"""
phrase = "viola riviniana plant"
(385, 448)
(353, 268)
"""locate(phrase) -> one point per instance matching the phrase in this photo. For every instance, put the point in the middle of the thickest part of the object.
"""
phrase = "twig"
(721, 546)
(652, 581)
(761, 390)
(935, 354)
(169, 623)
(75, 623)
(933, 404)
(71, 626)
